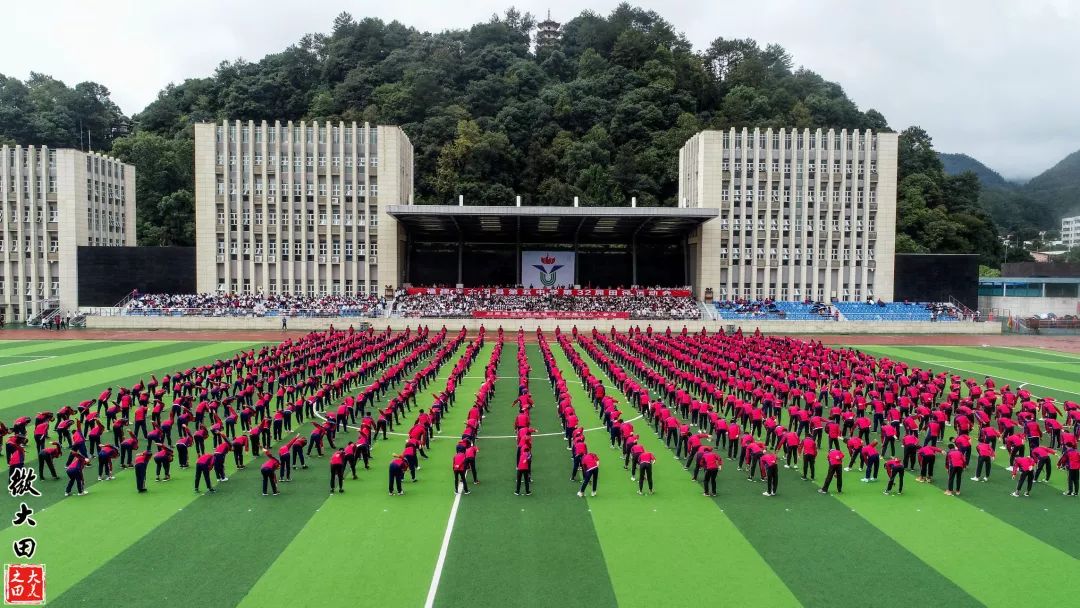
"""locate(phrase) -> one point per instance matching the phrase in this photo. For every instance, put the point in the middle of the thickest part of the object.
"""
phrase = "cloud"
(993, 79)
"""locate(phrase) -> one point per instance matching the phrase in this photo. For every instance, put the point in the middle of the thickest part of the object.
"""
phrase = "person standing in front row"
(836, 469)
(398, 465)
(75, 464)
(645, 461)
(1025, 466)
(337, 470)
(713, 463)
(771, 472)
(894, 470)
(590, 464)
(524, 471)
(460, 466)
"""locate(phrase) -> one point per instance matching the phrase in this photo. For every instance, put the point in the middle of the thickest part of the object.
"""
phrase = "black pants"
(527, 477)
(269, 480)
(591, 475)
(927, 470)
(772, 476)
(1044, 464)
(710, 481)
(140, 476)
(808, 464)
(646, 471)
(459, 477)
(396, 477)
(337, 472)
(837, 471)
(285, 468)
(898, 475)
(577, 465)
(45, 461)
(1074, 481)
(982, 467)
(1029, 477)
(956, 475)
(202, 472)
(159, 465)
(75, 478)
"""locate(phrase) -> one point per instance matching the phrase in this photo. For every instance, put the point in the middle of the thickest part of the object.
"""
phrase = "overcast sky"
(998, 80)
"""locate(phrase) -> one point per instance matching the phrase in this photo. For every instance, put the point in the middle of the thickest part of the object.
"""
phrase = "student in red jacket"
(985, 453)
(645, 461)
(337, 470)
(398, 465)
(1025, 466)
(75, 465)
(809, 449)
(955, 461)
(1070, 461)
(1042, 456)
(47, 457)
(471, 452)
(590, 464)
(836, 469)
(524, 471)
(770, 471)
(162, 459)
(269, 469)
(927, 459)
(142, 460)
(202, 470)
(895, 470)
(460, 466)
(712, 463)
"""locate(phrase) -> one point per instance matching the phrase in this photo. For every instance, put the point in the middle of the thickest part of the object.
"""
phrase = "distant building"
(804, 214)
(1070, 231)
(548, 33)
(51, 202)
(299, 207)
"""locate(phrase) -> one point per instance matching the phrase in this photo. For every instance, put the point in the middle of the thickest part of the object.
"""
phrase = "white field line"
(434, 588)
(28, 358)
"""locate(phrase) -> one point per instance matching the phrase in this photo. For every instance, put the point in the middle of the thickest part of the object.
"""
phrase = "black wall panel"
(107, 274)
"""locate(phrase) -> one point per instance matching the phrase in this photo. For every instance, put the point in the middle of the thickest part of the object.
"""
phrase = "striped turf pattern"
(676, 547)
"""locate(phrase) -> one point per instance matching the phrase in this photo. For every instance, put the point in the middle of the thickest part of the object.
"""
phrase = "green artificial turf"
(506, 548)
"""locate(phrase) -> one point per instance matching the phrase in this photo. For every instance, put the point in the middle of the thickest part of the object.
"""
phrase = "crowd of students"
(767, 402)
(247, 305)
(735, 390)
(226, 408)
(467, 305)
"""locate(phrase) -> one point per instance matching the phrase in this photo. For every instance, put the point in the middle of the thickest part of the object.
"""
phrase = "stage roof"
(548, 224)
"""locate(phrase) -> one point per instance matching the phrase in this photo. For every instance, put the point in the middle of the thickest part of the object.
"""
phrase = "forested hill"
(955, 164)
(600, 114)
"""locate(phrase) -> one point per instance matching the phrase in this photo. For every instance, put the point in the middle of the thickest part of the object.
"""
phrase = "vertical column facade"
(804, 214)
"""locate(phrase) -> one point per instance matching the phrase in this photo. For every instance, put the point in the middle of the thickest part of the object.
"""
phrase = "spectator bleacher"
(896, 311)
(490, 303)
(773, 310)
(254, 305)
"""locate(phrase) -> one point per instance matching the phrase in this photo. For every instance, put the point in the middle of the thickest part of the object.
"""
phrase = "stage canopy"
(476, 224)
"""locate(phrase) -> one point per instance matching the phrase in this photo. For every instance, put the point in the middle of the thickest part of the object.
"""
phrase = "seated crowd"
(243, 305)
(462, 305)
(772, 309)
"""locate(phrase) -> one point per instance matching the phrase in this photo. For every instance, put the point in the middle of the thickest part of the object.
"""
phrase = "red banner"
(548, 314)
(471, 291)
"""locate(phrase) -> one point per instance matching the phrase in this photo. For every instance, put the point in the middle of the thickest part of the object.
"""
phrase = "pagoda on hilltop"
(548, 33)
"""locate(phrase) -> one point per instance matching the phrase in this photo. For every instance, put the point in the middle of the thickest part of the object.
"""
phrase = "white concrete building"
(298, 207)
(803, 213)
(1070, 231)
(51, 202)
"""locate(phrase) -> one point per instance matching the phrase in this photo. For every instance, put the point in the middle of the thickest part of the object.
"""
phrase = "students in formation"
(761, 399)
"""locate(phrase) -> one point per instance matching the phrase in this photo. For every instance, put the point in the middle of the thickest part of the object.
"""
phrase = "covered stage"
(608, 246)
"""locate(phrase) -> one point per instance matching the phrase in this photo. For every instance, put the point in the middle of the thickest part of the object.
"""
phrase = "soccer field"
(491, 548)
